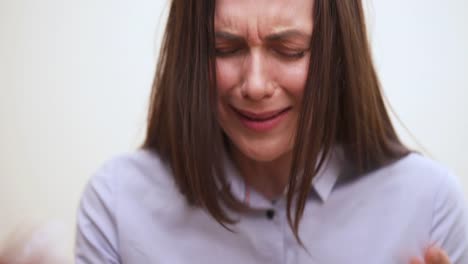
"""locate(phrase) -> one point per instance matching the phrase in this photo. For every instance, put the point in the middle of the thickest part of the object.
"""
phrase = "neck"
(268, 178)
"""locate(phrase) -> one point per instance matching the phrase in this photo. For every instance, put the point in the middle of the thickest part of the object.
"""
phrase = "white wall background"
(75, 78)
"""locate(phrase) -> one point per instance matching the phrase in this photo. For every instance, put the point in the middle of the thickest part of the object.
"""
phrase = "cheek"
(227, 76)
(293, 77)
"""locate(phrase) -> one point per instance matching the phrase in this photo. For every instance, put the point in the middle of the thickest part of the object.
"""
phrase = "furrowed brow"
(228, 36)
(288, 34)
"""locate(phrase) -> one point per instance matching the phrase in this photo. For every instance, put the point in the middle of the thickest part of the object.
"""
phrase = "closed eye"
(290, 54)
(227, 52)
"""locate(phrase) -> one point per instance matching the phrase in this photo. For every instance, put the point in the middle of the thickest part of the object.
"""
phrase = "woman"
(268, 142)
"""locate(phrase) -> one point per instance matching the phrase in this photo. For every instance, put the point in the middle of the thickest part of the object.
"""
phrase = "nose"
(257, 83)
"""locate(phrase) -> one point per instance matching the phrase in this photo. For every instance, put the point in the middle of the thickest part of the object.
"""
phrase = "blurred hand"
(433, 255)
(34, 245)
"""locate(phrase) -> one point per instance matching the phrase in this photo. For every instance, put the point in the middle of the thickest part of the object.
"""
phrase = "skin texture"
(261, 66)
(433, 255)
(262, 62)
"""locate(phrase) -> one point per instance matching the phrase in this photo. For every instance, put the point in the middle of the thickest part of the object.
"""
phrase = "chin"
(263, 152)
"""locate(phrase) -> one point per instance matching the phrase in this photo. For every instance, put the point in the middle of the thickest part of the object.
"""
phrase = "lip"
(263, 121)
(263, 115)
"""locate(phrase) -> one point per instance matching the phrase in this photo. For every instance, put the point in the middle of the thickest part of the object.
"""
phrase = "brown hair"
(342, 104)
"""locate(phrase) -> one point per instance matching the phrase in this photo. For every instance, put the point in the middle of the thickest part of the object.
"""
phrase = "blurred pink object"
(42, 244)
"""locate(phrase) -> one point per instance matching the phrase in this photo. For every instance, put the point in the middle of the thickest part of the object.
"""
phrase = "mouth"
(261, 121)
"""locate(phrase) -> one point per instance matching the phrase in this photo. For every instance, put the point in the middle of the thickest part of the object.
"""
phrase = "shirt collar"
(325, 180)
(323, 183)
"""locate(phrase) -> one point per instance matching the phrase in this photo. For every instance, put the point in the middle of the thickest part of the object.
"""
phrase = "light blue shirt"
(132, 212)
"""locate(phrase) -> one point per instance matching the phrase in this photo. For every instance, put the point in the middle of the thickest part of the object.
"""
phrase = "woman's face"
(261, 69)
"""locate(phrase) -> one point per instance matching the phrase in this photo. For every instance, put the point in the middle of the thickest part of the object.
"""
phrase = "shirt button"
(270, 214)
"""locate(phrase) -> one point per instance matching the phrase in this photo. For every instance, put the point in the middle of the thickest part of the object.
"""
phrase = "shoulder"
(424, 176)
(128, 181)
(411, 184)
(139, 161)
(418, 167)
(432, 187)
(413, 174)
(120, 193)
(133, 171)
(418, 174)
(421, 180)
(421, 175)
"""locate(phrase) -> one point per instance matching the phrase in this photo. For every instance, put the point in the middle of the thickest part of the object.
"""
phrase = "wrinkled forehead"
(263, 16)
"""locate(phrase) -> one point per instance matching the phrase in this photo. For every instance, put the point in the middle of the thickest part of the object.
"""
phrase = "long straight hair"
(342, 104)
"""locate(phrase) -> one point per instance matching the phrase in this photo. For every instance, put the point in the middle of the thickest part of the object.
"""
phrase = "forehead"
(263, 15)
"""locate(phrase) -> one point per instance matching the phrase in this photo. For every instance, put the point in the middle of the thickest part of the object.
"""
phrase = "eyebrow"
(291, 33)
(227, 36)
